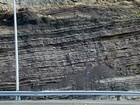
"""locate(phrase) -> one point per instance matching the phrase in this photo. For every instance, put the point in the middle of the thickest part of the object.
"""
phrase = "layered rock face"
(73, 48)
(42, 4)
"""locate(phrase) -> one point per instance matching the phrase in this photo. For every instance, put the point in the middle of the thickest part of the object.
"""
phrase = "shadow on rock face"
(95, 74)
(23, 18)
(101, 72)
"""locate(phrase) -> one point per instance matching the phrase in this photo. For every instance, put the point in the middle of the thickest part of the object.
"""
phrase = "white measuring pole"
(16, 49)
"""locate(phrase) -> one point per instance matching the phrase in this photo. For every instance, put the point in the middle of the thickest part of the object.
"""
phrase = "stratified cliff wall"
(58, 48)
(43, 4)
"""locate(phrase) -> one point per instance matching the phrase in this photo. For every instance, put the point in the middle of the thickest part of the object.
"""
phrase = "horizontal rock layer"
(45, 4)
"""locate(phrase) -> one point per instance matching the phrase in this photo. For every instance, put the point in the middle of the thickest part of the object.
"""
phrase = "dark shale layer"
(58, 46)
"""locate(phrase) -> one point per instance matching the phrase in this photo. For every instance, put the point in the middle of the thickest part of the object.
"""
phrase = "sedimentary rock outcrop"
(59, 47)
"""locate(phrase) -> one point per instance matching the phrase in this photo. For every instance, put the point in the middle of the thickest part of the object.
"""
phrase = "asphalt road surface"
(70, 102)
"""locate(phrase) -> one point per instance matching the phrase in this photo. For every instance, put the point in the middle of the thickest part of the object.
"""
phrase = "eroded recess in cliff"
(54, 45)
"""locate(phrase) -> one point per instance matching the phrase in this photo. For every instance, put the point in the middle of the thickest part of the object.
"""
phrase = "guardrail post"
(70, 97)
(45, 97)
(118, 98)
(94, 97)
(18, 98)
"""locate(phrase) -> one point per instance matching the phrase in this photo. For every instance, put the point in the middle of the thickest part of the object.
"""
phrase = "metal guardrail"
(68, 93)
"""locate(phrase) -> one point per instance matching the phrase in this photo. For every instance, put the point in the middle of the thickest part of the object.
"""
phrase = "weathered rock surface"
(55, 45)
